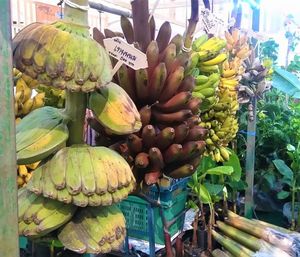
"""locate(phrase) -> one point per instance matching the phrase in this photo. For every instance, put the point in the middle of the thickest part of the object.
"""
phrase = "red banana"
(181, 132)
(163, 36)
(142, 160)
(173, 153)
(173, 82)
(141, 84)
(127, 29)
(179, 116)
(152, 56)
(148, 136)
(183, 171)
(193, 121)
(135, 143)
(156, 158)
(187, 84)
(126, 81)
(152, 177)
(176, 103)
(165, 138)
(145, 113)
(197, 133)
(157, 82)
(169, 56)
(152, 28)
(194, 105)
(109, 33)
(178, 41)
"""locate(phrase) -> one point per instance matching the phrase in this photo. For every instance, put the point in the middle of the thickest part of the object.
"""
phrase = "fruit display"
(24, 102)
(68, 173)
(219, 65)
(244, 237)
(24, 173)
(170, 141)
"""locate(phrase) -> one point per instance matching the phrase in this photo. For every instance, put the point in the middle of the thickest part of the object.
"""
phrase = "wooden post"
(9, 246)
(250, 161)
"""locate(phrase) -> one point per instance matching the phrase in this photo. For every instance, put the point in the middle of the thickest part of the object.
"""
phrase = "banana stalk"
(234, 248)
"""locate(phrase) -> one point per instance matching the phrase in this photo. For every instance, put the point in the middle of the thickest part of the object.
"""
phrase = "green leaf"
(286, 82)
(204, 195)
(283, 168)
(283, 195)
(234, 162)
(221, 170)
(237, 185)
(205, 164)
(270, 177)
(214, 189)
(290, 148)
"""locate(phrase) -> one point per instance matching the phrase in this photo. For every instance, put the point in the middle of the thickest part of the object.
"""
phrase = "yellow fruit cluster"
(25, 173)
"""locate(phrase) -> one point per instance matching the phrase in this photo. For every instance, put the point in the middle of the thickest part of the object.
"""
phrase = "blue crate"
(166, 195)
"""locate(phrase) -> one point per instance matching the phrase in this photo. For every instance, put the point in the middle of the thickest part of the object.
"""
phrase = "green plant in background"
(212, 184)
(268, 51)
(294, 66)
(291, 176)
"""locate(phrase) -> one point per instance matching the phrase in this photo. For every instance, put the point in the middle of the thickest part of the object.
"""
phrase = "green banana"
(115, 110)
(57, 219)
(39, 134)
(70, 238)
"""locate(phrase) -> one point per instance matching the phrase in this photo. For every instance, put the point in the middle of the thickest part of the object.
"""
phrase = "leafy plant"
(211, 183)
(269, 50)
(291, 177)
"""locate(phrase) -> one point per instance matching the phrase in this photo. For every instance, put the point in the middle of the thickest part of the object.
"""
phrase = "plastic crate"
(136, 212)
(165, 195)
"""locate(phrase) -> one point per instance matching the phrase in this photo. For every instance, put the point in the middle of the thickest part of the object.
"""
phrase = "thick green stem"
(76, 103)
(75, 15)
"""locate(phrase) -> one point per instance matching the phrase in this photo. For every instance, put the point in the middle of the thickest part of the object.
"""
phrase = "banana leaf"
(286, 82)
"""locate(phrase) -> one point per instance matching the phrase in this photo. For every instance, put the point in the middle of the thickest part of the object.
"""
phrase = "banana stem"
(189, 33)
(76, 103)
(75, 15)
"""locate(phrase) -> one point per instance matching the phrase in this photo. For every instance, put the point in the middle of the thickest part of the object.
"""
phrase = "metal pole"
(250, 161)
(104, 8)
(251, 136)
(9, 246)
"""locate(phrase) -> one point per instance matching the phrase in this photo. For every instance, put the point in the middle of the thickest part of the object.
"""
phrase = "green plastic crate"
(135, 211)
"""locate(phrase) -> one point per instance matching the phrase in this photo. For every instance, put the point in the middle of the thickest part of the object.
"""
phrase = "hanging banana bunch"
(171, 141)
(68, 173)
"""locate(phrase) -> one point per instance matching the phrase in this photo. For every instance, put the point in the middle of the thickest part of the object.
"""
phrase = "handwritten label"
(212, 23)
(118, 48)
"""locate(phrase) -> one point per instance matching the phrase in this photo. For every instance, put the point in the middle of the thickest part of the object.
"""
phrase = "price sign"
(212, 23)
(118, 48)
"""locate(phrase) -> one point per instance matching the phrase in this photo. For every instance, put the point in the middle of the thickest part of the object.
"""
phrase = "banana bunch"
(94, 230)
(24, 102)
(208, 55)
(238, 49)
(84, 175)
(24, 173)
(115, 110)
(62, 55)
(39, 216)
(70, 174)
(40, 134)
(170, 141)
(206, 90)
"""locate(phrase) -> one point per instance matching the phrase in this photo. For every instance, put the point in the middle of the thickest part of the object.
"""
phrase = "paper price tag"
(208, 21)
(118, 48)
(212, 23)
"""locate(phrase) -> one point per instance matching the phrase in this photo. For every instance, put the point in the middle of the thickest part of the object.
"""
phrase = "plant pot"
(202, 238)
